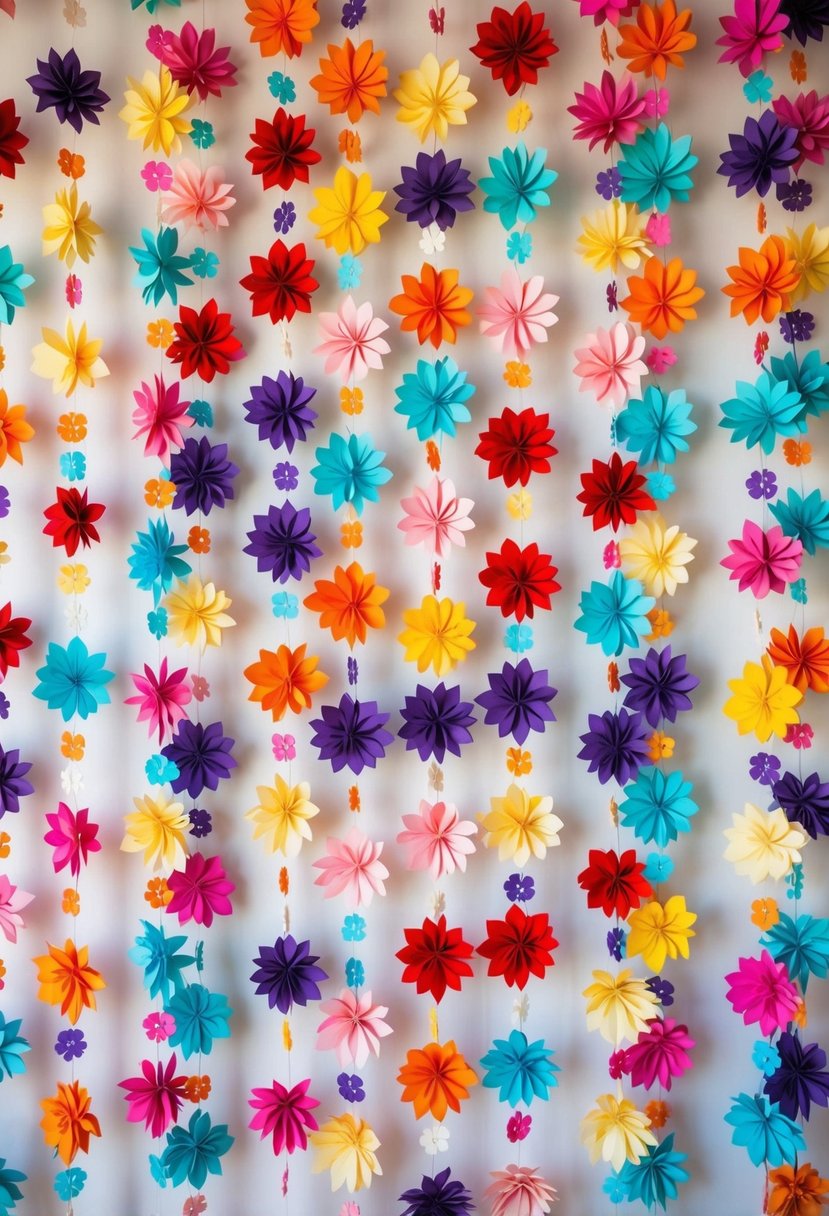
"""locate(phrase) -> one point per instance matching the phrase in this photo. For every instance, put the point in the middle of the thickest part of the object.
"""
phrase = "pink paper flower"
(161, 698)
(756, 27)
(610, 364)
(194, 1205)
(157, 37)
(800, 736)
(519, 1190)
(660, 1054)
(197, 198)
(611, 556)
(762, 992)
(436, 517)
(611, 112)
(201, 688)
(658, 229)
(72, 838)
(809, 115)
(763, 561)
(195, 62)
(606, 10)
(518, 1127)
(155, 1098)
(517, 314)
(657, 102)
(12, 902)
(159, 1026)
(353, 1028)
(157, 175)
(351, 340)
(160, 417)
(352, 868)
(437, 839)
(284, 747)
(200, 891)
(660, 358)
(74, 290)
(284, 1114)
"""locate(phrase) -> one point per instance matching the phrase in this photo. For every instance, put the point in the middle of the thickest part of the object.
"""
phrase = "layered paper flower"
(518, 700)
(435, 958)
(516, 445)
(663, 298)
(616, 1132)
(281, 284)
(433, 398)
(198, 198)
(610, 364)
(521, 825)
(353, 1027)
(348, 212)
(515, 46)
(60, 83)
(615, 616)
(66, 979)
(282, 151)
(615, 745)
(284, 1115)
(351, 734)
(437, 634)
(519, 946)
(196, 62)
(610, 112)
(764, 282)
(281, 26)
(435, 1078)
(352, 867)
(614, 883)
(763, 844)
(155, 1098)
(72, 838)
(348, 1148)
(69, 229)
(760, 989)
(755, 28)
(519, 1190)
(519, 185)
(435, 191)
(279, 409)
(655, 169)
(657, 555)
(619, 1006)
(157, 827)
(436, 721)
(762, 701)
(69, 360)
(12, 139)
(160, 416)
(519, 1070)
(287, 974)
(284, 680)
(433, 97)
(352, 79)
(433, 306)
(659, 932)
(435, 517)
(518, 314)
(153, 110)
(282, 542)
(282, 815)
(613, 238)
(197, 613)
(205, 343)
(437, 839)
(352, 344)
(350, 604)
(68, 1122)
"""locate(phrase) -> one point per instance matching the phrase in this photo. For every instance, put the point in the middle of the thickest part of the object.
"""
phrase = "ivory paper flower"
(433, 97)
(658, 932)
(153, 111)
(282, 815)
(69, 229)
(436, 518)
(763, 701)
(198, 198)
(69, 360)
(158, 827)
(657, 555)
(517, 314)
(619, 1006)
(437, 634)
(348, 213)
(616, 1132)
(351, 340)
(352, 868)
(353, 1027)
(763, 844)
(197, 613)
(437, 839)
(610, 364)
(521, 825)
(348, 1148)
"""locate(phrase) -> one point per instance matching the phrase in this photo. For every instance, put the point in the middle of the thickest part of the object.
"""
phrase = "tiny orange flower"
(764, 913)
(2, 358)
(72, 746)
(2, 973)
(197, 1089)
(5, 842)
(354, 798)
(519, 762)
(159, 493)
(658, 1112)
(604, 47)
(433, 455)
(287, 1037)
(351, 147)
(351, 535)
(160, 333)
(797, 67)
(71, 902)
(762, 218)
(797, 452)
(801, 1017)
(351, 400)
(71, 428)
(660, 747)
(284, 881)
(517, 375)
(662, 625)
(158, 894)
(613, 807)
(199, 540)
(613, 676)
(71, 164)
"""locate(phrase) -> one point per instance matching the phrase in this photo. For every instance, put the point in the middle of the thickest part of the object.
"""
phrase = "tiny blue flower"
(159, 770)
(519, 247)
(285, 606)
(798, 590)
(354, 928)
(660, 485)
(201, 412)
(758, 87)
(518, 638)
(658, 868)
(202, 133)
(204, 264)
(349, 273)
(355, 973)
(157, 1171)
(765, 1056)
(614, 1189)
(282, 88)
(157, 623)
(73, 466)
(68, 1184)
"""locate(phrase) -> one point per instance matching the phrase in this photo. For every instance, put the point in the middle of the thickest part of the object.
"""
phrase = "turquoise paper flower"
(758, 87)
(355, 973)
(72, 680)
(656, 169)
(68, 1184)
(658, 868)
(12, 1048)
(768, 1136)
(762, 411)
(520, 1070)
(656, 1177)
(202, 133)
(159, 957)
(156, 560)
(349, 272)
(657, 806)
(802, 944)
(354, 928)
(809, 377)
(433, 397)
(201, 412)
(765, 1056)
(204, 264)
(351, 471)
(159, 770)
(518, 638)
(656, 425)
(660, 485)
(806, 518)
(519, 247)
(200, 1017)
(159, 266)
(72, 466)
(615, 616)
(282, 88)
(195, 1151)
(152, 5)
(285, 606)
(13, 282)
(10, 1192)
(518, 185)
(797, 590)
(157, 623)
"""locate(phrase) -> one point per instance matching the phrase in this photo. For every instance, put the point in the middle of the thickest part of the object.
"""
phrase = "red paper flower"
(201, 890)
(205, 342)
(614, 884)
(519, 580)
(282, 150)
(434, 958)
(72, 520)
(13, 638)
(514, 46)
(517, 445)
(280, 284)
(11, 140)
(519, 946)
(613, 493)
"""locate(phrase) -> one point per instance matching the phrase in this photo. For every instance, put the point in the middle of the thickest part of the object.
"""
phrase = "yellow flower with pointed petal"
(763, 701)
(348, 1148)
(348, 214)
(614, 237)
(433, 97)
(157, 827)
(69, 228)
(521, 825)
(282, 815)
(65, 361)
(763, 844)
(153, 111)
(810, 250)
(657, 555)
(619, 1006)
(66, 979)
(660, 931)
(437, 634)
(197, 613)
(616, 1131)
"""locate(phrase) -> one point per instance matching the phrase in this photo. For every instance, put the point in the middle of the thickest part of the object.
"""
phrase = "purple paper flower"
(279, 408)
(284, 218)
(796, 195)
(287, 974)
(518, 700)
(203, 475)
(609, 184)
(438, 1196)
(434, 191)
(658, 686)
(351, 734)
(764, 768)
(13, 783)
(352, 670)
(286, 476)
(71, 1044)
(351, 1087)
(616, 944)
(805, 801)
(61, 83)
(796, 326)
(807, 19)
(5, 502)
(519, 888)
(282, 542)
(762, 484)
(202, 755)
(663, 990)
(5, 706)
(799, 1079)
(763, 154)
(612, 294)
(201, 823)
(353, 13)
(436, 721)
(615, 746)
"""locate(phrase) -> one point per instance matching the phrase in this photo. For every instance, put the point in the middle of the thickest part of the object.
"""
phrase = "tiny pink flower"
(660, 358)
(201, 688)
(285, 1182)
(800, 736)
(156, 40)
(194, 1206)
(658, 229)
(349, 1209)
(657, 102)
(284, 747)
(157, 175)
(159, 1026)
(611, 556)
(617, 1065)
(74, 290)
(518, 1127)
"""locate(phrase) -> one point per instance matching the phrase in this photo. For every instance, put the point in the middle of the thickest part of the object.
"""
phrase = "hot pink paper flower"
(155, 1097)
(756, 27)
(517, 314)
(658, 229)
(352, 868)
(162, 698)
(72, 837)
(284, 1114)
(284, 747)
(660, 358)
(157, 175)
(73, 291)
(195, 62)
(12, 902)
(519, 1190)
(606, 10)
(657, 102)
(437, 839)
(351, 340)
(611, 556)
(353, 1028)
(198, 198)
(763, 561)
(201, 890)
(159, 1026)
(610, 364)
(809, 115)
(660, 1054)
(762, 992)
(611, 112)
(160, 416)
(436, 517)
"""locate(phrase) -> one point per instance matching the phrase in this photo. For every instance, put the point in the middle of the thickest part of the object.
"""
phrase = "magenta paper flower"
(352, 868)
(763, 561)
(157, 175)
(155, 1098)
(437, 839)
(197, 198)
(606, 10)
(755, 28)
(762, 992)
(610, 364)
(517, 314)
(660, 358)
(201, 890)
(436, 517)
(353, 1027)
(12, 902)
(351, 340)
(610, 111)
(159, 1026)
(161, 698)
(809, 115)
(284, 1114)
(160, 417)
(658, 229)
(660, 1054)
(72, 837)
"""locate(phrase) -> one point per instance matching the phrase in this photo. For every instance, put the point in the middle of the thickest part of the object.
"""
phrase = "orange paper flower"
(350, 145)
(285, 680)
(763, 283)
(797, 67)
(14, 430)
(158, 894)
(72, 746)
(71, 902)
(160, 333)
(519, 763)
(797, 452)
(434, 305)
(284, 881)
(435, 1078)
(281, 25)
(66, 979)
(805, 659)
(433, 455)
(354, 803)
(517, 375)
(197, 1089)
(71, 428)
(5, 842)
(658, 40)
(351, 535)
(199, 540)
(658, 1112)
(613, 676)
(663, 299)
(765, 914)
(68, 1121)
(71, 164)
(350, 604)
(351, 400)
(796, 1192)
(158, 492)
(352, 79)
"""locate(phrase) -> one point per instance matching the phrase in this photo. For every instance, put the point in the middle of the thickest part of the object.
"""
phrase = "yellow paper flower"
(657, 555)
(810, 250)
(521, 825)
(66, 979)
(348, 213)
(348, 1148)
(437, 634)
(5, 556)
(282, 815)
(69, 227)
(65, 361)
(660, 931)
(197, 613)
(153, 111)
(616, 1131)
(157, 827)
(763, 844)
(517, 375)
(520, 505)
(613, 237)
(763, 701)
(433, 98)
(519, 117)
(73, 579)
(619, 1006)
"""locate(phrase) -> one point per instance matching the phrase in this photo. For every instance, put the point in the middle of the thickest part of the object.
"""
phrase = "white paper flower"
(435, 1139)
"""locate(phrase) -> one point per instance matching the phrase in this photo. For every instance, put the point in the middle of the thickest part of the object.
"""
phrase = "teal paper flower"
(657, 806)
(656, 169)
(350, 470)
(806, 518)
(354, 928)
(519, 247)
(656, 425)
(656, 1177)
(157, 1171)
(518, 638)
(200, 1017)
(758, 87)
(355, 973)
(10, 1192)
(797, 590)
(518, 185)
(72, 466)
(433, 397)
(156, 560)
(204, 264)
(12, 1048)
(72, 680)
(195, 1151)
(660, 485)
(769, 1137)
(762, 411)
(157, 623)
(201, 412)
(615, 616)
(202, 133)
(13, 282)
(519, 1070)
(152, 5)
(802, 944)
(349, 272)
(159, 957)
(282, 88)
(809, 377)
(68, 1184)
(658, 868)
(159, 266)
(765, 1056)
(159, 770)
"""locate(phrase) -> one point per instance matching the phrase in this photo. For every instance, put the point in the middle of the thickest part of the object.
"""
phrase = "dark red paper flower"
(613, 493)
(11, 140)
(280, 284)
(519, 946)
(13, 638)
(282, 150)
(517, 445)
(72, 520)
(196, 63)
(514, 46)
(435, 958)
(614, 884)
(519, 580)
(205, 342)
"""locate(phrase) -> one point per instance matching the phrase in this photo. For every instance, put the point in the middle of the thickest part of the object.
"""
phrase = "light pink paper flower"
(519, 1190)
(353, 1028)
(762, 992)
(161, 698)
(517, 314)
(12, 902)
(436, 517)
(156, 1097)
(809, 115)
(763, 561)
(352, 868)
(660, 358)
(200, 891)
(611, 112)
(610, 364)
(437, 839)
(755, 28)
(351, 340)
(659, 1054)
(198, 198)
(160, 416)
(284, 1114)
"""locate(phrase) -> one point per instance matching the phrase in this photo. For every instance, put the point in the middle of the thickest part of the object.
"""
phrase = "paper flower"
(69, 360)
(281, 26)
(160, 268)
(518, 700)
(663, 299)
(764, 283)
(348, 213)
(433, 398)
(658, 807)
(657, 425)
(808, 114)
(616, 1132)
(287, 973)
(435, 958)
(762, 701)
(195, 1151)
(68, 1121)
(353, 1027)
(156, 559)
(436, 721)
(348, 1148)
(73, 680)
(66, 979)
(69, 229)
(280, 410)
(352, 868)
(659, 685)
(762, 992)
(806, 518)
(519, 946)
(12, 139)
(156, 826)
(200, 1016)
(284, 1115)
(351, 340)
(437, 839)
(434, 305)
(161, 698)
(614, 883)
(754, 29)
(435, 517)
(660, 931)
(792, 1186)
(762, 411)
(518, 314)
(516, 445)
(200, 891)
(155, 1098)
(805, 801)
(60, 83)
(350, 470)
(656, 1176)
(13, 900)
(521, 825)
(197, 613)
(613, 238)
(437, 634)
(515, 46)
(352, 79)
(519, 1070)
(609, 112)
(280, 284)
(435, 1078)
(658, 39)
(160, 417)
(769, 1137)
(350, 604)
(615, 745)
(197, 198)
(284, 680)
(761, 157)
(202, 475)
(282, 151)
(763, 561)
(655, 169)
(72, 838)
(619, 1006)
(282, 815)
(435, 191)
(800, 1078)
(12, 1049)
(763, 844)
(202, 755)
(613, 494)
(13, 635)
(196, 62)
(610, 363)
(205, 343)
(282, 542)
(153, 110)
(520, 1190)
(351, 734)
(160, 958)
(519, 185)
(439, 1193)
(433, 97)
(519, 580)
(657, 555)
(13, 281)
(614, 616)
